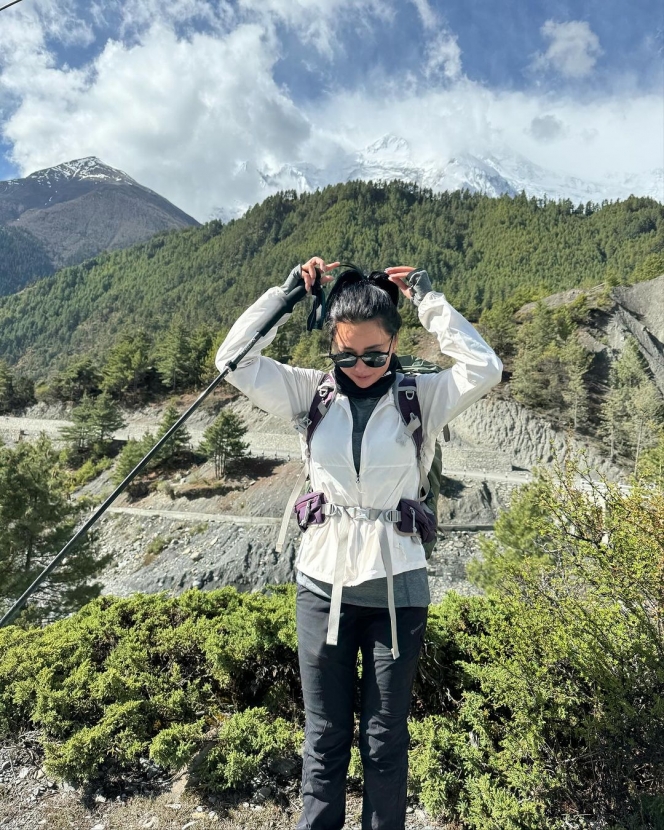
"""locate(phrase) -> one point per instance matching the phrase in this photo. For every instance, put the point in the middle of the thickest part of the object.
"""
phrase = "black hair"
(356, 298)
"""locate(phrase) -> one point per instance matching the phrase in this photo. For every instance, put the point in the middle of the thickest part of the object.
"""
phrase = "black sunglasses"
(346, 360)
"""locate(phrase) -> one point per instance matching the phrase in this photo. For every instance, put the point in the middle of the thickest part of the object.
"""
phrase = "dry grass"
(65, 811)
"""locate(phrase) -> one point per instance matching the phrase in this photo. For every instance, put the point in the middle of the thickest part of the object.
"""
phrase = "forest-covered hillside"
(477, 249)
(23, 259)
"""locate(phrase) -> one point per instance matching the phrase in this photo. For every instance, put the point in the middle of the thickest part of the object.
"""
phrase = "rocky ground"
(29, 800)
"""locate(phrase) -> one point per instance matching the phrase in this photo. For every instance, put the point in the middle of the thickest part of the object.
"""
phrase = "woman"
(361, 584)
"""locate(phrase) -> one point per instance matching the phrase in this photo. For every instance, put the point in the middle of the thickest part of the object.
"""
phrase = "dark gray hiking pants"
(328, 683)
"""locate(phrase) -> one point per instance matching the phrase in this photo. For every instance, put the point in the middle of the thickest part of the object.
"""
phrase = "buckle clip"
(358, 512)
(302, 423)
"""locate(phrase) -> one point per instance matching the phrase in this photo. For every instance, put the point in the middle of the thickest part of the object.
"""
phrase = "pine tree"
(127, 365)
(80, 434)
(201, 345)
(575, 360)
(106, 419)
(630, 368)
(499, 329)
(613, 417)
(223, 441)
(646, 407)
(311, 351)
(82, 377)
(23, 392)
(132, 452)
(6, 388)
(536, 379)
(37, 518)
(179, 442)
(174, 357)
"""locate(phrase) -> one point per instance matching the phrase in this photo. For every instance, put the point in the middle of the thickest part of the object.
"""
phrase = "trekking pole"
(288, 303)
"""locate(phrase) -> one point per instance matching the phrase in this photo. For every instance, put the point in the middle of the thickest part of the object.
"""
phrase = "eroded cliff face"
(499, 422)
(504, 429)
(639, 311)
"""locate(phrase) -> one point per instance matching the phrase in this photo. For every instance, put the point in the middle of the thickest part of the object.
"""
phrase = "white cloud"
(176, 115)
(428, 16)
(573, 48)
(196, 116)
(26, 27)
(443, 57)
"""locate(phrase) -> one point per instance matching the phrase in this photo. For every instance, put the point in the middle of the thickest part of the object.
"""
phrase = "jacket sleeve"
(284, 391)
(477, 369)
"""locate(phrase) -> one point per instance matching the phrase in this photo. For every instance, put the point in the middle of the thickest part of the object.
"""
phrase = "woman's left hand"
(397, 275)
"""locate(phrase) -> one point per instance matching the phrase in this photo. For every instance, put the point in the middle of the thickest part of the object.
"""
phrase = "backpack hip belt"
(410, 517)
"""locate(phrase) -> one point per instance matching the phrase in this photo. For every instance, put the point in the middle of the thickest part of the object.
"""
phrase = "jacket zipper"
(379, 404)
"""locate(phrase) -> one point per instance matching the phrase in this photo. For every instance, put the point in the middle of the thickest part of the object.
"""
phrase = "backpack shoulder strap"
(306, 425)
(408, 404)
(325, 395)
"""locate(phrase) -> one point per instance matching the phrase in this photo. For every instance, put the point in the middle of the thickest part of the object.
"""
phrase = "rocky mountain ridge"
(79, 208)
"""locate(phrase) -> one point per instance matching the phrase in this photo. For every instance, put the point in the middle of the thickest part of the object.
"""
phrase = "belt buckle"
(358, 512)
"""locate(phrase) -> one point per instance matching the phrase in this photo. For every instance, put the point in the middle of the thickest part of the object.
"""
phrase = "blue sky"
(186, 95)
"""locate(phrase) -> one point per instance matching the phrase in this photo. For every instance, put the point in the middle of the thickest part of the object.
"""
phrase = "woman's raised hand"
(309, 271)
(398, 275)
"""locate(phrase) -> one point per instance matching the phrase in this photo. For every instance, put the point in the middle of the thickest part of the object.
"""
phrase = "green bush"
(534, 706)
(105, 683)
(247, 742)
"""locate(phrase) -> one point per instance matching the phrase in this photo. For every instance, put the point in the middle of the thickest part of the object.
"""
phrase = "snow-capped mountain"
(503, 172)
(76, 209)
(91, 169)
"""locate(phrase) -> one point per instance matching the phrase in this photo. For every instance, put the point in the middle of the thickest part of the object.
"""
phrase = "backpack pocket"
(309, 509)
(416, 518)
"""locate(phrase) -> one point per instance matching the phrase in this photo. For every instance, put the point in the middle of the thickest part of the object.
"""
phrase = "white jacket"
(388, 464)
(347, 550)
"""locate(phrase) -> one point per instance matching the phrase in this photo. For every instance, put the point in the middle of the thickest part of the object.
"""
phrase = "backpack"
(411, 413)
(411, 367)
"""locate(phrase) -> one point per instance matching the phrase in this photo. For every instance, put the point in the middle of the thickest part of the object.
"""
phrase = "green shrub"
(535, 705)
(247, 742)
(105, 683)
(88, 471)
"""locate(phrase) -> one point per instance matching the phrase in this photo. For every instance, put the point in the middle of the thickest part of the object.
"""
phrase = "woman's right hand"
(309, 271)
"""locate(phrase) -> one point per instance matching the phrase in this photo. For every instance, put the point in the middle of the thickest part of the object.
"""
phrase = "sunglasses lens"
(346, 361)
(374, 359)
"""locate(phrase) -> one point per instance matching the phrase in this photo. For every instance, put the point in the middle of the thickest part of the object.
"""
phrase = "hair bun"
(381, 280)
